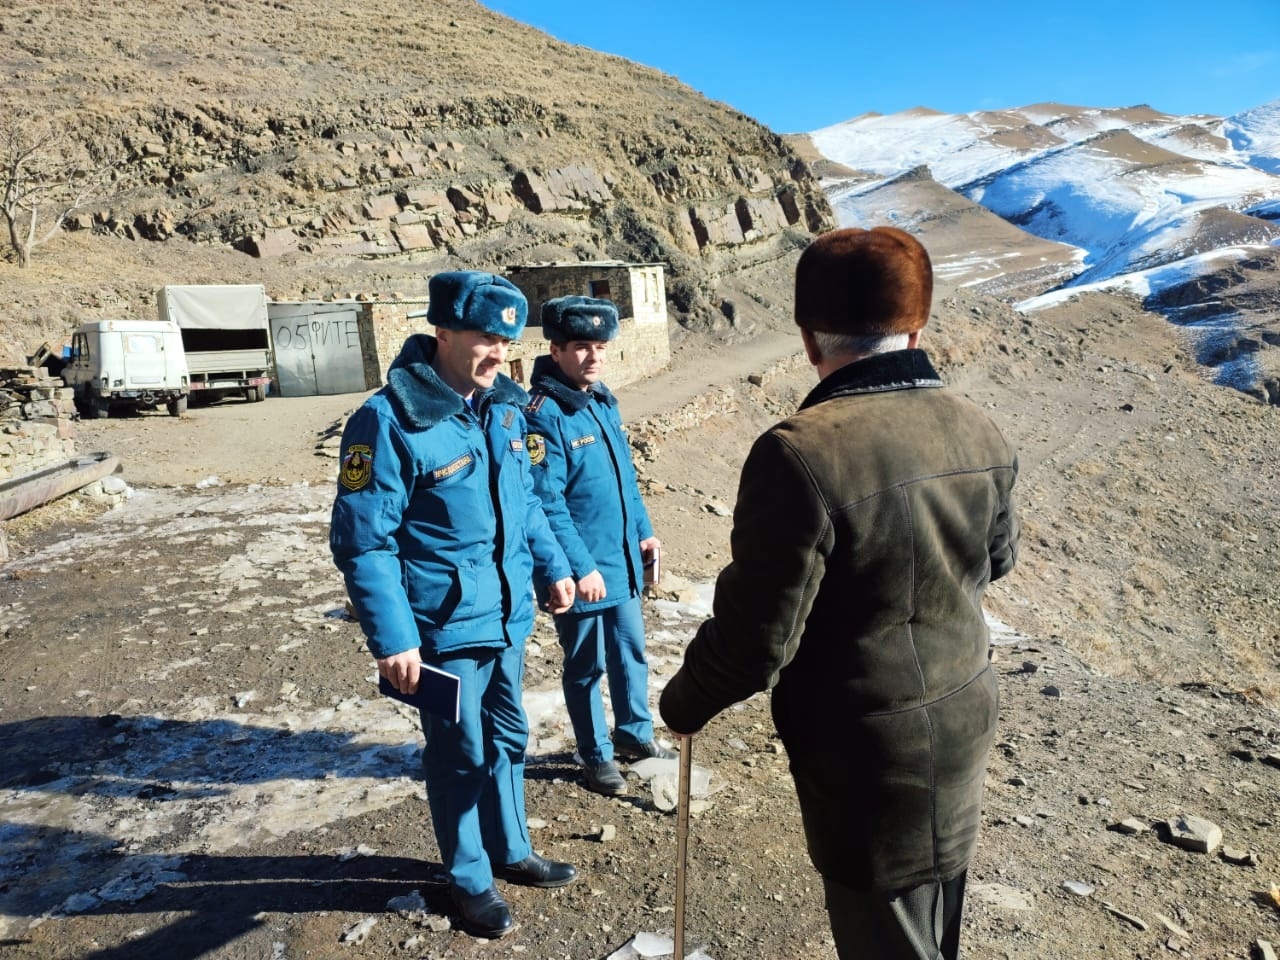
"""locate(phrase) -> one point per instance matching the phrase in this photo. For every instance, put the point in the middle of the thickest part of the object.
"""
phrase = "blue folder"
(438, 692)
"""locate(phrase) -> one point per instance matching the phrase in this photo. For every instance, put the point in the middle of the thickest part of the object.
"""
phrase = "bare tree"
(46, 175)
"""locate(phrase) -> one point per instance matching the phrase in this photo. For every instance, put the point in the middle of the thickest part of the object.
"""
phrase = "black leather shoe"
(605, 778)
(485, 915)
(642, 751)
(536, 871)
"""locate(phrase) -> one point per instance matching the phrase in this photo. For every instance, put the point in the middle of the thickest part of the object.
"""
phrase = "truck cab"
(138, 364)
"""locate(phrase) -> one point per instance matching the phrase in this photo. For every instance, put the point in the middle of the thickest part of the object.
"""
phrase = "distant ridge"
(1131, 199)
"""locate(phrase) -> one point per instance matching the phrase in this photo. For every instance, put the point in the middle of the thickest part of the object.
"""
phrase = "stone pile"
(36, 428)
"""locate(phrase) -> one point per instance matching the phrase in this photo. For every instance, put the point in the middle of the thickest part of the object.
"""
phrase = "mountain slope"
(1153, 204)
(968, 244)
(330, 146)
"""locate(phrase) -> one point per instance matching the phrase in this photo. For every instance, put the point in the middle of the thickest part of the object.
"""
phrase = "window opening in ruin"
(517, 371)
(599, 289)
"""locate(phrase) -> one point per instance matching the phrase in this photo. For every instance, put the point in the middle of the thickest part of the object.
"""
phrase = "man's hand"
(649, 546)
(560, 596)
(402, 670)
(591, 587)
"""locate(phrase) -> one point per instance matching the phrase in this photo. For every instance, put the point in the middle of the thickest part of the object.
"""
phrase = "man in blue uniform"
(582, 470)
(438, 532)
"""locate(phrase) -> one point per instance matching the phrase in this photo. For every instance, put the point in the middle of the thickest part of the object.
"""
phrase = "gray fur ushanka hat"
(579, 318)
(474, 300)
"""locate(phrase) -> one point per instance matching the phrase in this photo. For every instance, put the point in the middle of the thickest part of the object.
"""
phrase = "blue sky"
(800, 66)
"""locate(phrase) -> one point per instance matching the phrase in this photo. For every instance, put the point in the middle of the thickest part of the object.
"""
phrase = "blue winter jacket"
(582, 469)
(428, 561)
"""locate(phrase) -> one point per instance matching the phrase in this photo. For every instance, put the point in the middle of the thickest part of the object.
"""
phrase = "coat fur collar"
(898, 370)
(548, 377)
(424, 399)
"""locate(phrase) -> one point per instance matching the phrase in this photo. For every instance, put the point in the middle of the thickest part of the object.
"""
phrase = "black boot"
(536, 871)
(485, 915)
(605, 778)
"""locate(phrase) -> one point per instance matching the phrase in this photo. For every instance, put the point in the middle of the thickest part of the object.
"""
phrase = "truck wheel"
(177, 407)
(99, 408)
(255, 394)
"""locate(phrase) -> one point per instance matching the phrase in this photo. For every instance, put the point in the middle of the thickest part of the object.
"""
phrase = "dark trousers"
(920, 923)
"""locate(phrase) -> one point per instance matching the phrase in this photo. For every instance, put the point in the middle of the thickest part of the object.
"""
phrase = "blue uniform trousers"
(474, 768)
(609, 640)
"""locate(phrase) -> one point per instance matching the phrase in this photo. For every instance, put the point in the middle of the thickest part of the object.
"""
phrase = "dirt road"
(196, 764)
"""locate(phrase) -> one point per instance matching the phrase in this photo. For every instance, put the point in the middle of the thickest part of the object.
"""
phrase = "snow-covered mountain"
(1130, 199)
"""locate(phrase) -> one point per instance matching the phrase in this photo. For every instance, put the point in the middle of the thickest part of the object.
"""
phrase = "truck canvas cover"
(215, 306)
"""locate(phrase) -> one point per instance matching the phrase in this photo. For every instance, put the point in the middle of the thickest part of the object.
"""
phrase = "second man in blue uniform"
(583, 472)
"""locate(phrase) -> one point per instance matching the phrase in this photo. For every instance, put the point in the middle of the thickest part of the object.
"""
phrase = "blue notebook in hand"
(438, 692)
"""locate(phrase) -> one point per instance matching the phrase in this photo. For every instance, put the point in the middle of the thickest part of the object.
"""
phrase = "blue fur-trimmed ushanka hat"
(475, 300)
(579, 318)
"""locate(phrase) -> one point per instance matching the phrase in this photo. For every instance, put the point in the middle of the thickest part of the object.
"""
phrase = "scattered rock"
(1129, 825)
(1172, 927)
(1128, 918)
(351, 853)
(411, 902)
(1241, 858)
(357, 932)
(1194, 833)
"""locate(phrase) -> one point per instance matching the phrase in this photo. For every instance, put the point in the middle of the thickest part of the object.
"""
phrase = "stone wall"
(36, 429)
(638, 290)
(384, 327)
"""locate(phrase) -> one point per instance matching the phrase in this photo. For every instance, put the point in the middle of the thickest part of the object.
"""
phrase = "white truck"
(127, 363)
(225, 332)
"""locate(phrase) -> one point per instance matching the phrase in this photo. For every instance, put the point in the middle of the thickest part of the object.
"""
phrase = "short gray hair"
(841, 344)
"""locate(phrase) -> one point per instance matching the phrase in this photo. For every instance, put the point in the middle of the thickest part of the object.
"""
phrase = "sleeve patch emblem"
(449, 469)
(357, 466)
(537, 448)
(582, 441)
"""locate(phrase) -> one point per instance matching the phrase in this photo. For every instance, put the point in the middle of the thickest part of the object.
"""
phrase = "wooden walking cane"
(682, 839)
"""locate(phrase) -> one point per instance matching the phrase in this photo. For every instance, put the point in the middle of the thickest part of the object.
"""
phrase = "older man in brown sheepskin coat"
(867, 527)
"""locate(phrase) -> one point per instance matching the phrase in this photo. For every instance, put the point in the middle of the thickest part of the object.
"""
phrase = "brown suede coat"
(866, 529)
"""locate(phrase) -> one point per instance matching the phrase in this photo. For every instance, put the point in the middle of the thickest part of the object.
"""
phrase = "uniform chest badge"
(357, 466)
(449, 469)
(537, 448)
(582, 441)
